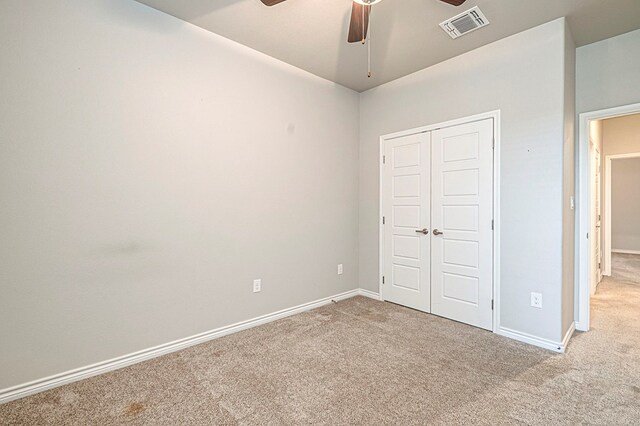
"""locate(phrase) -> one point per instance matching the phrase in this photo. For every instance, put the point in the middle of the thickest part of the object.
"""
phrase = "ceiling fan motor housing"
(367, 2)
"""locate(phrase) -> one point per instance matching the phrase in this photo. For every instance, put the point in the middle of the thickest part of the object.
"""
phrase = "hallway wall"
(625, 205)
(621, 135)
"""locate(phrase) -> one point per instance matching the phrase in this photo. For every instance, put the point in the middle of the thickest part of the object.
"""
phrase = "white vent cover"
(465, 22)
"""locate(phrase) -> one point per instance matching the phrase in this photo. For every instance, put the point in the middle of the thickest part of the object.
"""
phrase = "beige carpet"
(366, 362)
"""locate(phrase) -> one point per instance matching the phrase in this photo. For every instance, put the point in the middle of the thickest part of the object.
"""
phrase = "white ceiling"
(312, 34)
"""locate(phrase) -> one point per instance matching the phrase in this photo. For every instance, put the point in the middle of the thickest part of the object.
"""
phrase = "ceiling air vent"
(465, 22)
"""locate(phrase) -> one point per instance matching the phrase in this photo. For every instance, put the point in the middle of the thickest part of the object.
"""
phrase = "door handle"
(424, 231)
(436, 232)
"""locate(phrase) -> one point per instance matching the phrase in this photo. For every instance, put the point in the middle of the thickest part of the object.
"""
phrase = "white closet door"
(461, 217)
(406, 198)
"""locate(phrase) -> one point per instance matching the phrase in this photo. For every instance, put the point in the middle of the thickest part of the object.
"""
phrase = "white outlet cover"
(340, 269)
(536, 300)
(257, 286)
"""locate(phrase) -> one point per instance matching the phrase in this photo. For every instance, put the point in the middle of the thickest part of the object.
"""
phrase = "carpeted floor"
(366, 362)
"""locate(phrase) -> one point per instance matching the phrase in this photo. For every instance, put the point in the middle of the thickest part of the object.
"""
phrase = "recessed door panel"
(406, 156)
(406, 186)
(460, 288)
(460, 218)
(405, 216)
(406, 277)
(464, 147)
(460, 182)
(460, 252)
(407, 247)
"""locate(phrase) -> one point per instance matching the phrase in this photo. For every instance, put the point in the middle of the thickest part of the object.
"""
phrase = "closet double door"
(437, 201)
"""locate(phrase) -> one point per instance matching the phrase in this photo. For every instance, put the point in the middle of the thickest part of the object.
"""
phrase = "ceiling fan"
(360, 11)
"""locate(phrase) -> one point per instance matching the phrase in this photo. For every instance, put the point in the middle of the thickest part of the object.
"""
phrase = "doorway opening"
(608, 235)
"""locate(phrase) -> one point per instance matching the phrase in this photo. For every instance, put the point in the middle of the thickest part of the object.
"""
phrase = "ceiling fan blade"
(271, 2)
(454, 2)
(357, 28)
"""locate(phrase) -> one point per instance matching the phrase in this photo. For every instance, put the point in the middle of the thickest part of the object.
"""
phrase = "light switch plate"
(257, 285)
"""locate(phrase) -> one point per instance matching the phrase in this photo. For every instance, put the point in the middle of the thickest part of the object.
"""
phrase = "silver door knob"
(424, 231)
(436, 232)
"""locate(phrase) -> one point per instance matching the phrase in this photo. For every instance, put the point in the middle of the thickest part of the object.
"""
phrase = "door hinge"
(383, 279)
(492, 224)
(384, 159)
(493, 145)
(492, 304)
(587, 235)
(599, 265)
(383, 220)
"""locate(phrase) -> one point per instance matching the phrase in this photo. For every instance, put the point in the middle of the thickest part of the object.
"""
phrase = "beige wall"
(595, 133)
(149, 171)
(622, 136)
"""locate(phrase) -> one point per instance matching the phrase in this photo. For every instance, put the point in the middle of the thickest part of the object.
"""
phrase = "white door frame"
(607, 207)
(583, 272)
(495, 115)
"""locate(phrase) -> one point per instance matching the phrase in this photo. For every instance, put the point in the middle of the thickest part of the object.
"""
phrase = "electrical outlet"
(536, 300)
(340, 269)
(257, 286)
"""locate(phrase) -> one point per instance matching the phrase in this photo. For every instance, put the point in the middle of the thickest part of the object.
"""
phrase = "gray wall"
(625, 204)
(608, 73)
(523, 76)
(568, 217)
(149, 171)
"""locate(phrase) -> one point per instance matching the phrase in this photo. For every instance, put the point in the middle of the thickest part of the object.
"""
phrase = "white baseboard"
(50, 382)
(625, 251)
(559, 347)
(369, 294)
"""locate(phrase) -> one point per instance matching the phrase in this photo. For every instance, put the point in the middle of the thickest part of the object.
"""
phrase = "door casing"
(495, 115)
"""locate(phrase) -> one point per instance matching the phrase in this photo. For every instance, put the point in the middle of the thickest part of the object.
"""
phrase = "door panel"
(406, 208)
(598, 233)
(596, 216)
(462, 209)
